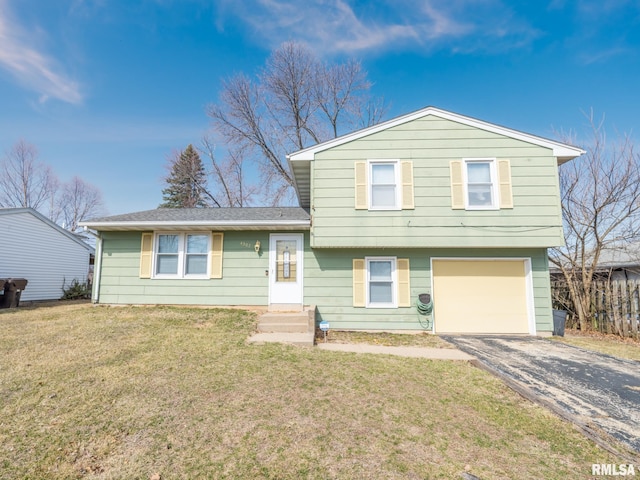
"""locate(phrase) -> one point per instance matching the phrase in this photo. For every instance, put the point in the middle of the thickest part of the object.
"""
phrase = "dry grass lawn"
(382, 338)
(609, 344)
(126, 393)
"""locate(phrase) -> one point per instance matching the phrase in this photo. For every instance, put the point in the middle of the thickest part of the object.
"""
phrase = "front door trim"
(290, 293)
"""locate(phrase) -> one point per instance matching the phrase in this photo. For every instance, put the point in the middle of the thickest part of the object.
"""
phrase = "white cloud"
(32, 68)
(601, 56)
(342, 26)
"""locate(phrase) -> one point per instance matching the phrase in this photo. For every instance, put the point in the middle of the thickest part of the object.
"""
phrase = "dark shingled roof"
(238, 218)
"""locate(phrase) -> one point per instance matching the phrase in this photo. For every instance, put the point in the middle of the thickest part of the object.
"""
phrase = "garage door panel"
(477, 296)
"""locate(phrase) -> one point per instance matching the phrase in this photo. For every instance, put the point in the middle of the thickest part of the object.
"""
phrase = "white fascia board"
(560, 150)
(295, 184)
(151, 225)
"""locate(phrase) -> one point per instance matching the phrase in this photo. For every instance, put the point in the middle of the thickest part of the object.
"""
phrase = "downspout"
(97, 270)
(97, 266)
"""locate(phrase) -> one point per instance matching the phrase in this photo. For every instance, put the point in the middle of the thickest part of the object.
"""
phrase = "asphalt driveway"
(598, 392)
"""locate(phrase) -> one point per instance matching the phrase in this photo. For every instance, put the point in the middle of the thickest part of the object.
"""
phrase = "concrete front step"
(286, 307)
(279, 322)
(288, 322)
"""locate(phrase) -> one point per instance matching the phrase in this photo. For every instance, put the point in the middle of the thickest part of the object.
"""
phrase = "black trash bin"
(13, 287)
(559, 320)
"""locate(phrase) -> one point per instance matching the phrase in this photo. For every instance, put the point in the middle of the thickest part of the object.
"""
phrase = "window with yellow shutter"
(481, 184)
(181, 255)
(384, 184)
(381, 282)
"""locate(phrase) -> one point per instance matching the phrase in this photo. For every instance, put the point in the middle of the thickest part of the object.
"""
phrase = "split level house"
(430, 202)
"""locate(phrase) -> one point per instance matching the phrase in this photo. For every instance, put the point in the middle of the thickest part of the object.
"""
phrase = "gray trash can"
(13, 287)
(559, 320)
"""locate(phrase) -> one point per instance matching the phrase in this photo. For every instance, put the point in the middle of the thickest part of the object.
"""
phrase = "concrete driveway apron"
(597, 392)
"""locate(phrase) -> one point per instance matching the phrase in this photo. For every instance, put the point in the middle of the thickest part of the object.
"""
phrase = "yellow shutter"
(407, 185)
(217, 241)
(404, 285)
(359, 283)
(146, 255)
(457, 185)
(361, 185)
(504, 180)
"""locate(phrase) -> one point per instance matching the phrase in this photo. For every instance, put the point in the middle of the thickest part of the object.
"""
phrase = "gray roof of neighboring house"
(624, 256)
(246, 218)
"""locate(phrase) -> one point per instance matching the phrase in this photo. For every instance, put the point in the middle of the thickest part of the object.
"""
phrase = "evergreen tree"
(186, 182)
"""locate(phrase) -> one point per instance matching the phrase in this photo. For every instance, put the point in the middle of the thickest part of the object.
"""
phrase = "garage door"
(480, 296)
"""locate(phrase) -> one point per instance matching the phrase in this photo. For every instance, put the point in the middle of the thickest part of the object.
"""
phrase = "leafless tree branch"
(295, 102)
(600, 196)
(26, 182)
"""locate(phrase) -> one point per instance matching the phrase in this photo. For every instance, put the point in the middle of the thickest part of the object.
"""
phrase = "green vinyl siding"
(431, 143)
(243, 279)
(329, 286)
(328, 280)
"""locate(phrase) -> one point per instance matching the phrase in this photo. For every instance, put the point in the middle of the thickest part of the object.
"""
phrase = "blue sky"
(108, 89)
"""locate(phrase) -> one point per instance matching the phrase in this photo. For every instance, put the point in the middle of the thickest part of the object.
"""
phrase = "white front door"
(285, 268)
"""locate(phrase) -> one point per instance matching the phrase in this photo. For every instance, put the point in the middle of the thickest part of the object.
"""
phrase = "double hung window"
(481, 192)
(381, 282)
(196, 254)
(182, 255)
(384, 185)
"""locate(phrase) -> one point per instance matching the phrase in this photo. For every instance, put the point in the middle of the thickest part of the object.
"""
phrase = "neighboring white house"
(35, 248)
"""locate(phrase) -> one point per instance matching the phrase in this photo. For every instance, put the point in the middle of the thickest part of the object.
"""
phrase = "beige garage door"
(480, 296)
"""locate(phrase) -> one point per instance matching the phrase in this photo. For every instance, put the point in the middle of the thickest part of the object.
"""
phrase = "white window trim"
(495, 201)
(398, 182)
(182, 256)
(394, 282)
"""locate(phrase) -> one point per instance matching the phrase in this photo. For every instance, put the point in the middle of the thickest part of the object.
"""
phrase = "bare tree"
(26, 182)
(295, 102)
(600, 195)
(78, 201)
(227, 175)
(341, 91)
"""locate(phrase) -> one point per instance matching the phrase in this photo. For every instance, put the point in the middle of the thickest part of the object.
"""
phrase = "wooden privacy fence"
(615, 305)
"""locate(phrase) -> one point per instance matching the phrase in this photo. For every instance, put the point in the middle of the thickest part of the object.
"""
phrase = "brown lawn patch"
(128, 392)
(610, 344)
(384, 338)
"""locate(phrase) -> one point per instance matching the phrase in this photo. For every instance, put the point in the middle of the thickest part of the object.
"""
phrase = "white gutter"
(203, 223)
(97, 270)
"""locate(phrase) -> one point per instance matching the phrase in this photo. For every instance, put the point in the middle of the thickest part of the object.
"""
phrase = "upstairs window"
(384, 185)
(481, 190)
(481, 184)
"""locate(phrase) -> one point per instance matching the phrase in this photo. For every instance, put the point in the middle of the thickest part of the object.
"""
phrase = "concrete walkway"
(306, 339)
